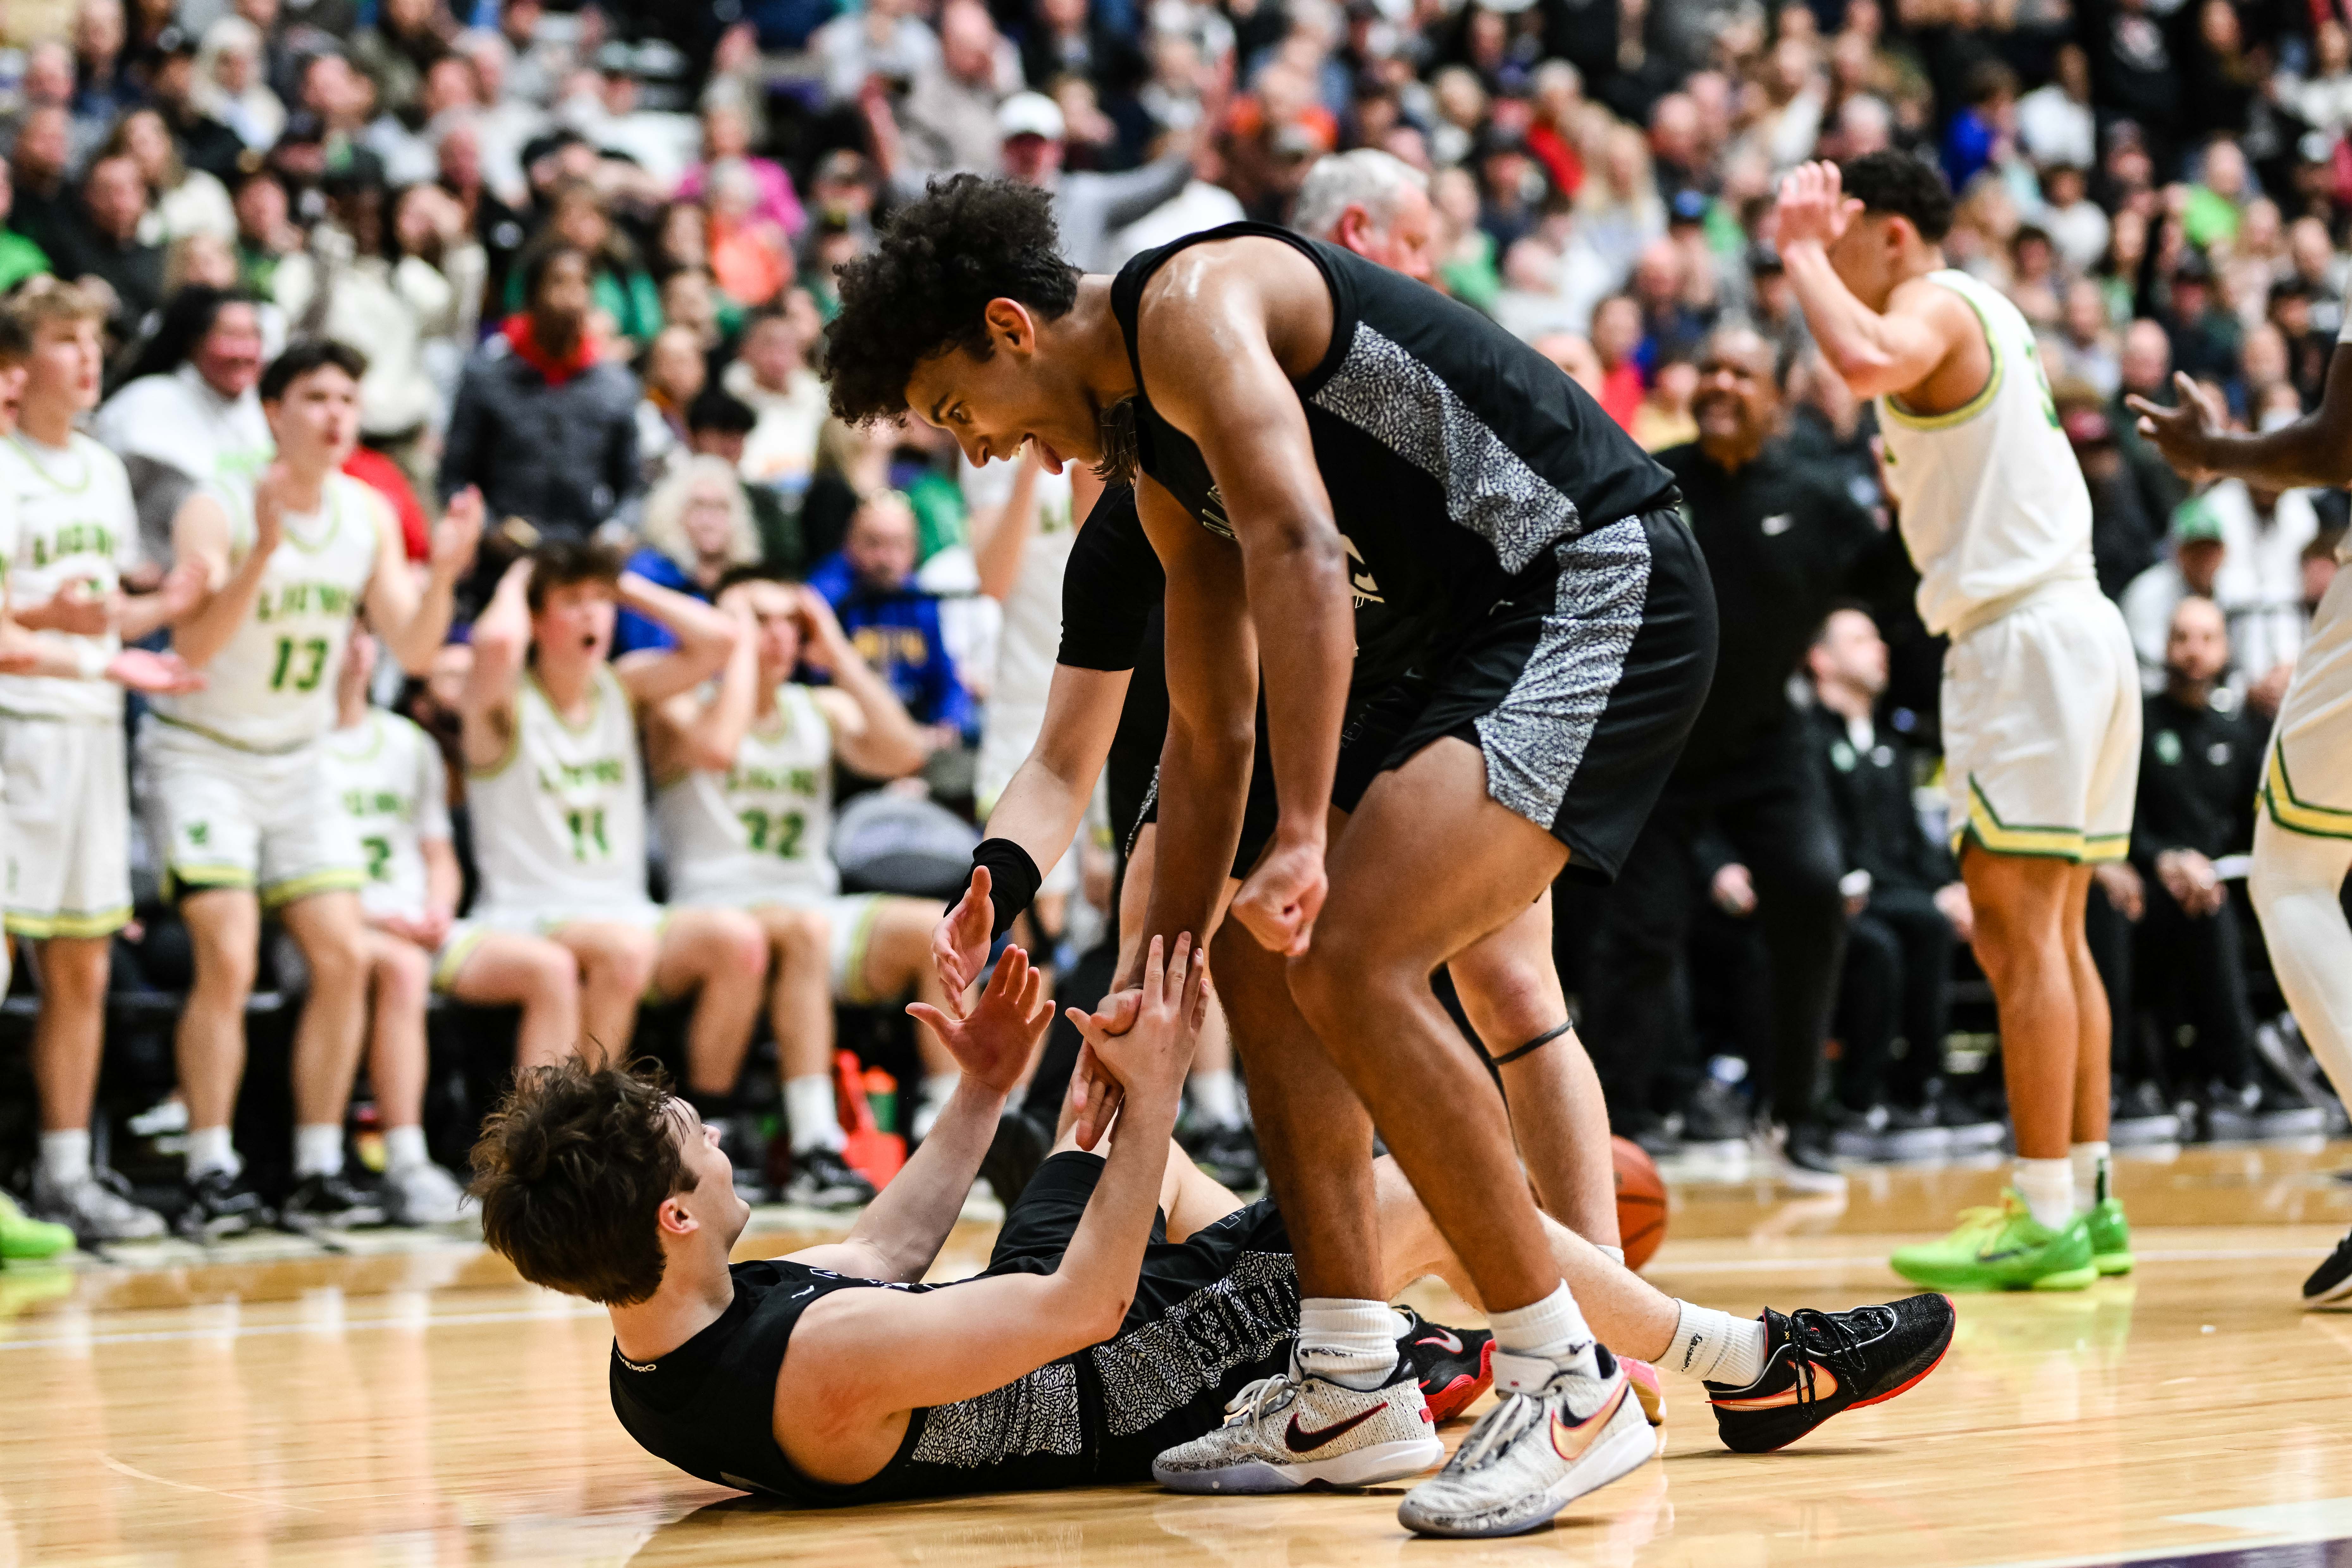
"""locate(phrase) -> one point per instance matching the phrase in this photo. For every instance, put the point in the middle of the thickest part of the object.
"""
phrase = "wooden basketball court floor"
(409, 1403)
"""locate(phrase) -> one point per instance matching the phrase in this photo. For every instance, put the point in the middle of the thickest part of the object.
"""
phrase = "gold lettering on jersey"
(559, 778)
(1360, 582)
(303, 599)
(889, 645)
(73, 538)
(1212, 514)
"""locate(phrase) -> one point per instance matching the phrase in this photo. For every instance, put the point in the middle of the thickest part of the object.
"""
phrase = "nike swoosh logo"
(1825, 1388)
(1300, 1440)
(1445, 1339)
(1570, 1442)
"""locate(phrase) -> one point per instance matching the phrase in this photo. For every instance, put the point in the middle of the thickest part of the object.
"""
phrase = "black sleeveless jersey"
(1210, 1312)
(1456, 457)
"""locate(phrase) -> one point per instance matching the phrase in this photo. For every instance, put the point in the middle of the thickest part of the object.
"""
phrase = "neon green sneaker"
(27, 1239)
(2110, 1237)
(2003, 1249)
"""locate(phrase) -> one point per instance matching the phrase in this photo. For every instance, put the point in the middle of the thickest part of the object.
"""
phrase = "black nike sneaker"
(1019, 1146)
(1455, 1365)
(2332, 1281)
(822, 1179)
(1819, 1363)
(217, 1205)
(328, 1202)
(1228, 1156)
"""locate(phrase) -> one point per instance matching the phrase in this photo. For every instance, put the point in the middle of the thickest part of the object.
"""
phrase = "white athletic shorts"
(2042, 721)
(2308, 775)
(222, 817)
(542, 920)
(849, 919)
(69, 828)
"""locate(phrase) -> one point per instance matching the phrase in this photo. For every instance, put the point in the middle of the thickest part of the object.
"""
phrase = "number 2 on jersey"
(780, 833)
(312, 659)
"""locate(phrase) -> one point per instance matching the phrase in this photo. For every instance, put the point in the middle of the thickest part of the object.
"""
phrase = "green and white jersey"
(560, 823)
(765, 822)
(272, 689)
(388, 779)
(1992, 501)
(73, 516)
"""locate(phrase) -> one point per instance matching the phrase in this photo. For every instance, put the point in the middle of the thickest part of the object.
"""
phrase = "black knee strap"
(1538, 1043)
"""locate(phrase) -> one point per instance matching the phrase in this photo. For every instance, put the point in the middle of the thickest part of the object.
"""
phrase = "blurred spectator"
(543, 423)
(2191, 570)
(410, 37)
(498, 229)
(1087, 206)
(43, 211)
(2123, 536)
(2054, 122)
(1618, 209)
(2145, 365)
(232, 87)
(772, 376)
(946, 122)
(726, 138)
(2259, 585)
(20, 257)
(717, 426)
(2087, 346)
(173, 91)
(624, 292)
(186, 201)
(674, 373)
(264, 233)
(105, 244)
(2200, 765)
(2076, 224)
(749, 254)
(1617, 339)
(895, 626)
(187, 414)
(1906, 909)
(102, 89)
(884, 38)
(697, 525)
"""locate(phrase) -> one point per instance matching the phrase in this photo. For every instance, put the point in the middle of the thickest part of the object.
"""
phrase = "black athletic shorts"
(1579, 687)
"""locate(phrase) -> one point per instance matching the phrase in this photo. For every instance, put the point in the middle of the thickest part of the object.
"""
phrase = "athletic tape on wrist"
(1538, 1043)
(1012, 880)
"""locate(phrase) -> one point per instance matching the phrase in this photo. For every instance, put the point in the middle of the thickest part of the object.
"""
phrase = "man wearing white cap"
(1088, 207)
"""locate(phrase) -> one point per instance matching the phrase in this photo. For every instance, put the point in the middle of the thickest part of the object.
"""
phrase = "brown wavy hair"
(570, 1171)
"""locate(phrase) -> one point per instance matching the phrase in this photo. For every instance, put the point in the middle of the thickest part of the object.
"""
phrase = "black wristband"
(1012, 880)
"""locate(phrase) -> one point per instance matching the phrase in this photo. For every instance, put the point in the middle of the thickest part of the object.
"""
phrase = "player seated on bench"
(1127, 1302)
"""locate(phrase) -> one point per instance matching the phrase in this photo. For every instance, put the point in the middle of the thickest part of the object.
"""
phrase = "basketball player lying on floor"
(1127, 1300)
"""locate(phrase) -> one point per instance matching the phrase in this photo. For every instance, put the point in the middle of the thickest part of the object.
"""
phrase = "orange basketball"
(1641, 1202)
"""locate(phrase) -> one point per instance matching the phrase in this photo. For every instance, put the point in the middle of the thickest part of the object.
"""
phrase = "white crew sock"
(2090, 1163)
(64, 1156)
(404, 1148)
(317, 1150)
(210, 1150)
(1614, 1254)
(1347, 1341)
(2048, 1188)
(1540, 1339)
(1716, 1347)
(810, 1113)
(1217, 1098)
(936, 1089)
(2297, 886)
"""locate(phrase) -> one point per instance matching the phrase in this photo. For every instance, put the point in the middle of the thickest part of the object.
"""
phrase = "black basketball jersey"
(1209, 1313)
(1456, 457)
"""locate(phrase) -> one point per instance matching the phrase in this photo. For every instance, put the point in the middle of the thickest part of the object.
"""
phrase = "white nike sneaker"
(423, 1195)
(1533, 1454)
(1286, 1432)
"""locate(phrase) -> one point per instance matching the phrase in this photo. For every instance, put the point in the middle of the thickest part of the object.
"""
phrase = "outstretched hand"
(1152, 1050)
(2181, 433)
(1812, 206)
(156, 674)
(993, 1044)
(959, 942)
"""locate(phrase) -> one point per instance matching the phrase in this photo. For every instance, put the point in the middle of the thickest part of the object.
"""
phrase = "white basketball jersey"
(388, 776)
(1992, 501)
(765, 822)
(272, 688)
(74, 518)
(560, 823)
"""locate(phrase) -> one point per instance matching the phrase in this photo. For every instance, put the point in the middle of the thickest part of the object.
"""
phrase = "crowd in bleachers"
(584, 254)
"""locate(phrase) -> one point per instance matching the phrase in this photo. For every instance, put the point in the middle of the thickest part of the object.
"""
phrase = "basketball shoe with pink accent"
(1290, 1431)
(1565, 1433)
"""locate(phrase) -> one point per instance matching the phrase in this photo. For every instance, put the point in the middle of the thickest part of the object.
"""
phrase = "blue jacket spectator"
(895, 626)
(698, 524)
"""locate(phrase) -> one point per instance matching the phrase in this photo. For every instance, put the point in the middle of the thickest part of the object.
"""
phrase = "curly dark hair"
(921, 290)
(1903, 185)
(571, 1169)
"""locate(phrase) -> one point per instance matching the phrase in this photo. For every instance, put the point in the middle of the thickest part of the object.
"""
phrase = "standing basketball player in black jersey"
(1430, 538)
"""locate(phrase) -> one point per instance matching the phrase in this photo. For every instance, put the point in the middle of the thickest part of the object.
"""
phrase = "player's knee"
(799, 933)
(548, 977)
(621, 960)
(738, 947)
(1331, 982)
(404, 973)
(337, 957)
(226, 957)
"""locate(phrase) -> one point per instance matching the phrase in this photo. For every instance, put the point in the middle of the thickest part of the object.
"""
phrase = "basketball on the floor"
(1641, 1202)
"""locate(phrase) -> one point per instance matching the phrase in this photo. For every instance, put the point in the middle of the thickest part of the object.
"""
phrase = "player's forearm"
(719, 725)
(202, 633)
(51, 615)
(907, 1223)
(445, 882)
(414, 641)
(141, 616)
(894, 745)
(705, 635)
(1100, 1268)
(1301, 605)
(1040, 811)
(1204, 790)
(2313, 451)
(1849, 334)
